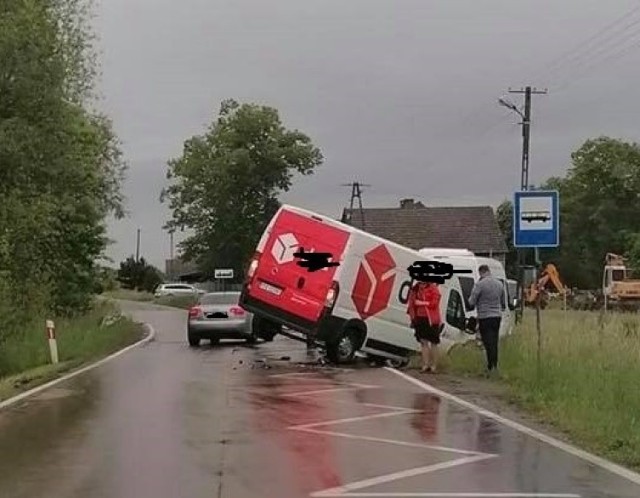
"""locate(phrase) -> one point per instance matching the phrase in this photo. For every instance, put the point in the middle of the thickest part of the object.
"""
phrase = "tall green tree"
(139, 275)
(598, 208)
(225, 186)
(61, 168)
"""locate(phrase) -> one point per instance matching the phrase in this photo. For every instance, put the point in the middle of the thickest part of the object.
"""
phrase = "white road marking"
(392, 441)
(35, 390)
(348, 489)
(462, 495)
(352, 419)
(366, 483)
(323, 391)
(572, 450)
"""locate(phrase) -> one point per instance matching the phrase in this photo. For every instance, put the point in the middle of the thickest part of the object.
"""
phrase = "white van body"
(366, 294)
(462, 259)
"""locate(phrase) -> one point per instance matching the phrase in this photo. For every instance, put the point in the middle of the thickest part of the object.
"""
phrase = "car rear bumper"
(228, 328)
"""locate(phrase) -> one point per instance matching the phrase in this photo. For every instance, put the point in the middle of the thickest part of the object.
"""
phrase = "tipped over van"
(357, 306)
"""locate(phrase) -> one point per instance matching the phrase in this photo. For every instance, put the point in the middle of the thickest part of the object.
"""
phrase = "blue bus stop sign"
(536, 218)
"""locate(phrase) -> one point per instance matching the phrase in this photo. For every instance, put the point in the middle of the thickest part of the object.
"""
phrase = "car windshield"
(220, 298)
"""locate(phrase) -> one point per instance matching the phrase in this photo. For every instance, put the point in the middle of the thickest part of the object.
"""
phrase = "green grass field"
(25, 359)
(588, 382)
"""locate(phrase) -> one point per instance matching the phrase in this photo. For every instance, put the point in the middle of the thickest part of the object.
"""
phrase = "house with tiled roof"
(415, 225)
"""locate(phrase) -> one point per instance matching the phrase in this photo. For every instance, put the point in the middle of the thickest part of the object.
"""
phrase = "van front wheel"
(343, 348)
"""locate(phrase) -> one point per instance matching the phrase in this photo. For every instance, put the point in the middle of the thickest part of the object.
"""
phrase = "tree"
(598, 208)
(139, 275)
(62, 168)
(225, 185)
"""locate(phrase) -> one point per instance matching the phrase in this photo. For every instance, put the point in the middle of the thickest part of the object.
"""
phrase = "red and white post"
(51, 336)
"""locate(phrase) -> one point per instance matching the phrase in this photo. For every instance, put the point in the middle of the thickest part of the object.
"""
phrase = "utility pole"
(138, 246)
(356, 193)
(171, 254)
(524, 178)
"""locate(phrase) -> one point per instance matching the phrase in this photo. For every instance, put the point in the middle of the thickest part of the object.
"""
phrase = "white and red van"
(359, 305)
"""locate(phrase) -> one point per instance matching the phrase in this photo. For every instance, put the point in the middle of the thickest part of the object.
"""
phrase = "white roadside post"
(53, 345)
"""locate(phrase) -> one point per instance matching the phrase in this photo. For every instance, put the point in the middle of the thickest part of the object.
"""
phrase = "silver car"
(217, 315)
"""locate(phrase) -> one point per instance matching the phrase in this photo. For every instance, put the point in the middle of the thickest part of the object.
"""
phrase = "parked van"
(463, 259)
(359, 305)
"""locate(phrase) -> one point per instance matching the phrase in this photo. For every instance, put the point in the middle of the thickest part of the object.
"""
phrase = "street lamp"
(510, 105)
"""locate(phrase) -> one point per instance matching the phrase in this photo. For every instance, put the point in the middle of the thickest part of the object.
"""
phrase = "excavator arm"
(549, 274)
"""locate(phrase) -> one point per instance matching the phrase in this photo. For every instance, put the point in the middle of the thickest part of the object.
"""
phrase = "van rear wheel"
(343, 348)
(263, 329)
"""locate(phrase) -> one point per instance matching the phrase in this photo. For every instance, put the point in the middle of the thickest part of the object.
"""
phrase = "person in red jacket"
(423, 308)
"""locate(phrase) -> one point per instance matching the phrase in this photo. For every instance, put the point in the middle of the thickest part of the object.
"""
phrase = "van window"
(467, 286)
(455, 310)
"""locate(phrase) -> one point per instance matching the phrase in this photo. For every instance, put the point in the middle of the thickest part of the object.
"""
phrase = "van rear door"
(280, 281)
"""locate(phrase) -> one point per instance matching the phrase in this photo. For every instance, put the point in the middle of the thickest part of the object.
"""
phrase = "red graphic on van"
(374, 282)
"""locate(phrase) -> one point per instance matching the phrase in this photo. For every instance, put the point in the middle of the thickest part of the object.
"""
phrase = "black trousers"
(490, 334)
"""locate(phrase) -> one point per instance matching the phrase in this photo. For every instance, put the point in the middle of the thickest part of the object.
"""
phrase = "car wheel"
(342, 349)
(194, 340)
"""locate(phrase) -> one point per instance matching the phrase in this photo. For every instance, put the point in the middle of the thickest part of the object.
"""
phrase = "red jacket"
(431, 295)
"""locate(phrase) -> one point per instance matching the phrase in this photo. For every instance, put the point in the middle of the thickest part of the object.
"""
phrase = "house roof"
(474, 228)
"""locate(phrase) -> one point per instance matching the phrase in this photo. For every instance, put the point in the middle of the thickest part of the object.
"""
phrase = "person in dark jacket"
(423, 307)
(487, 296)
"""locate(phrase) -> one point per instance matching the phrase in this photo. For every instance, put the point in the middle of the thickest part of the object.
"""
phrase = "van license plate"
(270, 288)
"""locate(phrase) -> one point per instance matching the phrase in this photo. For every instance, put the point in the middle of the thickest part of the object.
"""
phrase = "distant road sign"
(536, 218)
(223, 273)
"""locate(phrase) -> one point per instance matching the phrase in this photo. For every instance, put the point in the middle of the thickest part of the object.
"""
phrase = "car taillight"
(236, 311)
(195, 311)
(332, 295)
(253, 266)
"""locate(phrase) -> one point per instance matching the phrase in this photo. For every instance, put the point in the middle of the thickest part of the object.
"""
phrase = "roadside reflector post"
(51, 336)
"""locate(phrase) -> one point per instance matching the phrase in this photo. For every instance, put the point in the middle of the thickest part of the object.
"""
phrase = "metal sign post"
(536, 224)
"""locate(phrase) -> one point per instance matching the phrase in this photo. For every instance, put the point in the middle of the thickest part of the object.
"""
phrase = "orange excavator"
(548, 275)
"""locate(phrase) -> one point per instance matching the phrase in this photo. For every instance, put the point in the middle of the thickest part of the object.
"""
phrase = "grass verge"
(129, 295)
(182, 302)
(587, 385)
(25, 359)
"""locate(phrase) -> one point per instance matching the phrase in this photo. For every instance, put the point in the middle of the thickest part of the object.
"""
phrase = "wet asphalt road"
(164, 420)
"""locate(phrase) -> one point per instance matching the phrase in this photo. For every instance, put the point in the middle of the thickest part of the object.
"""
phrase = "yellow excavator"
(619, 289)
(548, 275)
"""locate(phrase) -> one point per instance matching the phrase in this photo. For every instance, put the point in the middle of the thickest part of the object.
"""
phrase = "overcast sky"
(398, 94)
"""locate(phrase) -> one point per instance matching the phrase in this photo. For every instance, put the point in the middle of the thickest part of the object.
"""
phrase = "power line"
(585, 43)
(556, 65)
(589, 57)
(612, 57)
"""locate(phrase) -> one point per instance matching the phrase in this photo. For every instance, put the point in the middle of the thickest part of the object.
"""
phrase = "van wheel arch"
(360, 330)
(355, 333)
